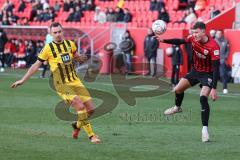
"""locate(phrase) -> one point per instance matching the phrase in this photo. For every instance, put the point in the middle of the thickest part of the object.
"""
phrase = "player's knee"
(177, 90)
(77, 103)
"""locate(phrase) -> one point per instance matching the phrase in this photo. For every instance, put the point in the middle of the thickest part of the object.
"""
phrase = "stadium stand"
(139, 9)
(143, 14)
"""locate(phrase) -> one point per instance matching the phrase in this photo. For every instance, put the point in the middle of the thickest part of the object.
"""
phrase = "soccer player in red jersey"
(205, 71)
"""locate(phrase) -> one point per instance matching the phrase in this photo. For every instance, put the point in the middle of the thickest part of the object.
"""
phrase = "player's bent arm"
(29, 73)
(174, 41)
(213, 93)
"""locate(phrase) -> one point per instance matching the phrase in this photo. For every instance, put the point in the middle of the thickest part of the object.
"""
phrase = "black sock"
(205, 110)
(179, 99)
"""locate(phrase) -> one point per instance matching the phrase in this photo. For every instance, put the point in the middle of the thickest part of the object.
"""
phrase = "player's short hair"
(55, 24)
(199, 25)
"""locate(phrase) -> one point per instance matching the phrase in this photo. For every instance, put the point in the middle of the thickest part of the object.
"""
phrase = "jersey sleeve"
(215, 53)
(44, 54)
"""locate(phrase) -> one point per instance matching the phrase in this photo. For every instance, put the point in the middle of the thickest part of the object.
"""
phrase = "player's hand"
(159, 38)
(17, 83)
(213, 94)
(83, 58)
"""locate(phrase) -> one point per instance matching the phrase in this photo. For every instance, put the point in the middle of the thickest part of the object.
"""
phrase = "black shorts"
(194, 77)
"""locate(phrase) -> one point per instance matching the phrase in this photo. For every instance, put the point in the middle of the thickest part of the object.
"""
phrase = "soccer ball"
(159, 27)
(169, 51)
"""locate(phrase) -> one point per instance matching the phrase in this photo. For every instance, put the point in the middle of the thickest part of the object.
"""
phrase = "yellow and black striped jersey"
(60, 58)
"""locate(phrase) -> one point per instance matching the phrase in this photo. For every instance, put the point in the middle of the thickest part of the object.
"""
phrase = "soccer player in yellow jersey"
(60, 55)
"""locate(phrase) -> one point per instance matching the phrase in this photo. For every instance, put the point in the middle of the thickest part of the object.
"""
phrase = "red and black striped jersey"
(204, 53)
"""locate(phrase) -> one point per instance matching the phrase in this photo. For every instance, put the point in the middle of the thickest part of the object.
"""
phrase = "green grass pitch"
(29, 128)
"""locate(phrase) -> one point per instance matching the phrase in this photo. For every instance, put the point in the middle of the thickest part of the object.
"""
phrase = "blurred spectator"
(47, 15)
(152, 5)
(163, 15)
(45, 5)
(191, 3)
(120, 3)
(12, 18)
(77, 3)
(213, 12)
(212, 33)
(30, 53)
(185, 14)
(36, 6)
(77, 14)
(57, 6)
(99, 15)
(106, 10)
(5, 21)
(22, 6)
(128, 50)
(8, 6)
(183, 4)
(200, 5)
(39, 17)
(5, 5)
(83, 5)
(66, 5)
(71, 15)
(39, 45)
(24, 21)
(1, 15)
(191, 16)
(51, 14)
(224, 52)
(159, 5)
(90, 5)
(111, 17)
(119, 14)
(10, 50)
(20, 55)
(150, 51)
(127, 16)
(3, 41)
(177, 60)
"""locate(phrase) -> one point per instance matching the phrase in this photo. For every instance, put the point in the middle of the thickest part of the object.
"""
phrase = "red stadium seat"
(175, 25)
(182, 25)
(170, 25)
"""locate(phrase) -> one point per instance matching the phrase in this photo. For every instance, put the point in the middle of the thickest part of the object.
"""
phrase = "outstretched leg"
(179, 95)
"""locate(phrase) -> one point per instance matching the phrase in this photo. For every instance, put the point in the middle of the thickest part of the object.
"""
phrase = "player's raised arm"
(175, 41)
(29, 73)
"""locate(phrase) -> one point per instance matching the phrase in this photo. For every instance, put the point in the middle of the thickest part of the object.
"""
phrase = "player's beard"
(59, 39)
